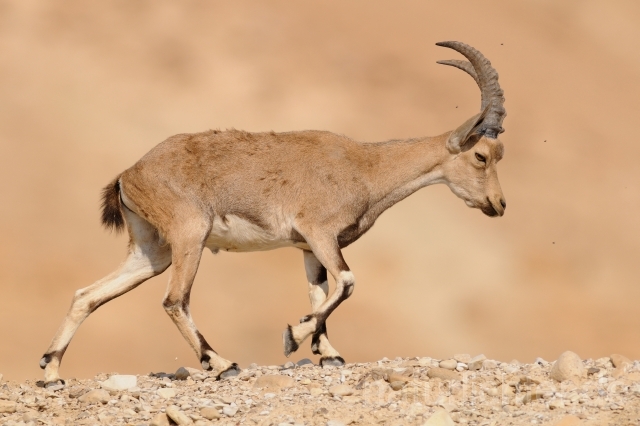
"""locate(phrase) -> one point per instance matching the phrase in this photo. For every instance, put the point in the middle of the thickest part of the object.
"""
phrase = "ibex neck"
(403, 167)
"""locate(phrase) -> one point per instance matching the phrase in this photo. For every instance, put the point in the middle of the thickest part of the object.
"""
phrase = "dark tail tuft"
(111, 214)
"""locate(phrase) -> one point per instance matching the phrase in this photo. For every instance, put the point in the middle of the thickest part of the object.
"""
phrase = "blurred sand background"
(86, 88)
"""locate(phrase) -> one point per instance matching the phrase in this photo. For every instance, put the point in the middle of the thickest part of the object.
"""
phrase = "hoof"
(290, 344)
(232, 371)
(332, 361)
(53, 385)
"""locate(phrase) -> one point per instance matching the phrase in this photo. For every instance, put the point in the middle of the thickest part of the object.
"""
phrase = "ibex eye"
(481, 158)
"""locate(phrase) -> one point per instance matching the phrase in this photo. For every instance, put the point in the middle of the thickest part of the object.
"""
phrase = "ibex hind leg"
(187, 245)
(147, 257)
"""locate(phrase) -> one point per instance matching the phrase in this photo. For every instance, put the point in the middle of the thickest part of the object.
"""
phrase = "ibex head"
(475, 148)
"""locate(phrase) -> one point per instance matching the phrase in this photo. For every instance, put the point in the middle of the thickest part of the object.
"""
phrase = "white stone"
(8, 407)
(464, 358)
(178, 416)
(95, 396)
(555, 404)
(229, 411)
(490, 364)
(341, 390)
(166, 393)
(568, 367)
(449, 364)
(439, 418)
(119, 382)
(477, 362)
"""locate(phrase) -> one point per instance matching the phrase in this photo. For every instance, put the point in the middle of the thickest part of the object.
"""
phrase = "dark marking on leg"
(333, 361)
(46, 358)
(321, 277)
(315, 340)
(306, 318)
(205, 362)
(290, 344)
(204, 347)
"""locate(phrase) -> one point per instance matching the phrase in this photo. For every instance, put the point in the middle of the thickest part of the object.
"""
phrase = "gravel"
(408, 391)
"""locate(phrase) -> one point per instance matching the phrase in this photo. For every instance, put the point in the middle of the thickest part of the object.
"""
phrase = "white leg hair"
(327, 254)
(147, 257)
(318, 291)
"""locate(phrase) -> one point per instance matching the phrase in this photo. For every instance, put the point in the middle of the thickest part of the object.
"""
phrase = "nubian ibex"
(314, 190)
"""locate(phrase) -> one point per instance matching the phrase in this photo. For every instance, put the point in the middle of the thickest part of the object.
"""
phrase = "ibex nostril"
(503, 203)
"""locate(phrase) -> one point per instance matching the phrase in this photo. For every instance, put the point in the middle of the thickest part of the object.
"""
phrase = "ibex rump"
(317, 191)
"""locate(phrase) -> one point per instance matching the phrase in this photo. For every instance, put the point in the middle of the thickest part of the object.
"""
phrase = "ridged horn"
(486, 77)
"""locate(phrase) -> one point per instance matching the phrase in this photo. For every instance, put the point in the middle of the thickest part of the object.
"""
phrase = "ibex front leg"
(329, 255)
(318, 292)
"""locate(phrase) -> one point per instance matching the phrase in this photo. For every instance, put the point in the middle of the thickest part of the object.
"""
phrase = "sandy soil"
(388, 392)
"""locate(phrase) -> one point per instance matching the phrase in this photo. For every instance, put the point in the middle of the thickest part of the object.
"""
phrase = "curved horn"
(487, 79)
(464, 66)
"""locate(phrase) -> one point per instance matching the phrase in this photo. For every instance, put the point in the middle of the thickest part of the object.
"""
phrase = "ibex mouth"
(489, 210)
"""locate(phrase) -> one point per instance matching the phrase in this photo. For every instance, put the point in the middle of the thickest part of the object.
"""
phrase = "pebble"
(178, 416)
(463, 358)
(1, 377)
(440, 418)
(449, 364)
(8, 406)
(30, 416)
(288, 365)
(209, 413)
(119, 382)
(489, 364)
(397, 385)
(555, 404)
(341, 390)
(160, 419)
(166, 393)
(477, 362)
(622, 365)
(182, 374)
(443, 373)
(569, 421)
(229, 410)
(95, 396)
(533, 395)
(568, 367)
(274, 381)
(304, 361)
(620, 360)
(510, 368)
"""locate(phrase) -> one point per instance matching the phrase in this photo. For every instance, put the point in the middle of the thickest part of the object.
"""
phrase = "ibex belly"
(233, 233)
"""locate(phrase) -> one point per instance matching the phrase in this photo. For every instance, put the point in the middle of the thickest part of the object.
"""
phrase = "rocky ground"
(404, 391)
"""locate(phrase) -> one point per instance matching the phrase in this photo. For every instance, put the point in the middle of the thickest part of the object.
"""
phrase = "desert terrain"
(87, 89)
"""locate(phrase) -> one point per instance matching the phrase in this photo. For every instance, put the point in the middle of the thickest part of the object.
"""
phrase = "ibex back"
(313, 190)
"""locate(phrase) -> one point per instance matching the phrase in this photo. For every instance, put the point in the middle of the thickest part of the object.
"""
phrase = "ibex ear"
(459, 137)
